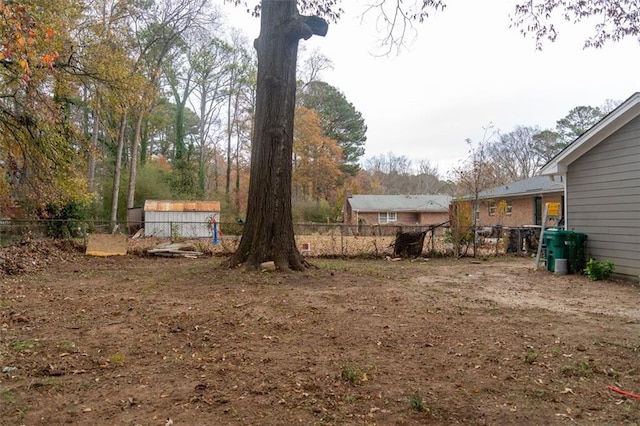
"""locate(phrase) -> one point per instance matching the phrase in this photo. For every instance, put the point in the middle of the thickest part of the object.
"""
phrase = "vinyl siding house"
(422, 210)
(602, 196)
(524, 202)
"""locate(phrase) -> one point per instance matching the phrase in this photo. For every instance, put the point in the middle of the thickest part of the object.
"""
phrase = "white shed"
(185, 219)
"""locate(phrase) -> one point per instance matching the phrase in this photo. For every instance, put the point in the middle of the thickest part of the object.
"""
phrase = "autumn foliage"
(317, 158)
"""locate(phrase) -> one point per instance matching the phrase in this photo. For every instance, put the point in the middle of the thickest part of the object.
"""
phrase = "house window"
(503, 207)
(386, 217)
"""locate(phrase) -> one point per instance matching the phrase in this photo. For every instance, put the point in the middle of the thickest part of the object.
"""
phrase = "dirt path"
(128, 341)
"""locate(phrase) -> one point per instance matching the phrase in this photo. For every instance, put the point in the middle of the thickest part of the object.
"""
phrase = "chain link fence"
(312, 239)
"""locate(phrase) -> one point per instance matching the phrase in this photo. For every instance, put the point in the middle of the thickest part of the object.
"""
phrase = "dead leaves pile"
(33, 255)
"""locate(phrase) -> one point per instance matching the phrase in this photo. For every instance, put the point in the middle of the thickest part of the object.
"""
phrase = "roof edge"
(612, 122)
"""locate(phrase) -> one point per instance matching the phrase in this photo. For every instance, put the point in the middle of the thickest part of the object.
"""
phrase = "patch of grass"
(583, 368)
(117, 359)
(531, 356)
(353, 374)
(555, 352)
(417, 403)
(23, 345)
(8, 396)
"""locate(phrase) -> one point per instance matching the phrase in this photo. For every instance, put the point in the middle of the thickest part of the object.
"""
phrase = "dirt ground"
(133, 340)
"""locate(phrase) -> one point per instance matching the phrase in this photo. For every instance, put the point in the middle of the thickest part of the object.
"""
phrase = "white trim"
(388, 217)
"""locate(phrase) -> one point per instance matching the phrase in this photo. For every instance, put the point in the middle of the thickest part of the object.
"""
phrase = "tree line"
(505, 157)
(107, 103)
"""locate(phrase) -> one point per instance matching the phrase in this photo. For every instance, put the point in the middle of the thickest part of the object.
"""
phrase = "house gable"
(602, 169)
(603, 199)
(615, 120)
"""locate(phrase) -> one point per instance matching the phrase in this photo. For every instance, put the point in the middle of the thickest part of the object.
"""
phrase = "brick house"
(421, 210)
(519, 203)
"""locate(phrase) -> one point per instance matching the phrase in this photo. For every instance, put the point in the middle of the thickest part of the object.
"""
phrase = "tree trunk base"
(294, 262)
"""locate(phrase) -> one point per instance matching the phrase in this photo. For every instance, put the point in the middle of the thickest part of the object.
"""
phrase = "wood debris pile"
(175, 250)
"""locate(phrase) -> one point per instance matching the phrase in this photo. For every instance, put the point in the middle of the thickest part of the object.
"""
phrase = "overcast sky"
(463, 71)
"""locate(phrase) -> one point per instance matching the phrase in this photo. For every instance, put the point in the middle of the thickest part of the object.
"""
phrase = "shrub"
(313, 211)
(598, 270)
(64, 220)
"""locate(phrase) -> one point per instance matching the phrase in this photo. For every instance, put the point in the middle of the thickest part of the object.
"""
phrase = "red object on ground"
(621, 392)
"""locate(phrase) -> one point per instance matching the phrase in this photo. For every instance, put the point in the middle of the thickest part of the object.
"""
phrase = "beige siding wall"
(603, 199)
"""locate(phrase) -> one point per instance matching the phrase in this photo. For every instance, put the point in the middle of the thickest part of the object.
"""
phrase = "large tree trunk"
(268, 232)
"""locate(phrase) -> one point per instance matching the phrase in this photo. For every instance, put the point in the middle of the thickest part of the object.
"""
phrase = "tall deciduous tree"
(476, 174)
(547, 143)
(268, 233)
(39, 144)
(397, 175)
(514, 154)
(617, 19)
(317, 157)
(210, 66)
(239, 73)
(340, 121)
(313, 65)
(163, 26)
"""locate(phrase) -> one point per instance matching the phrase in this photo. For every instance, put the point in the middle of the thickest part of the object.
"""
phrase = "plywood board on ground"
(107, 245)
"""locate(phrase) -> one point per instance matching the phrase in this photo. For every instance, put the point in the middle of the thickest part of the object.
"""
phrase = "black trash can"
(577, 243)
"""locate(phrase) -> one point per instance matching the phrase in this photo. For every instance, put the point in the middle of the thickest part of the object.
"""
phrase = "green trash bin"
(577, 244)
(557, 247)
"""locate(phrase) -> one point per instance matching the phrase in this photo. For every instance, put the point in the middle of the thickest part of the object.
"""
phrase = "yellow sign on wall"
(553, 209)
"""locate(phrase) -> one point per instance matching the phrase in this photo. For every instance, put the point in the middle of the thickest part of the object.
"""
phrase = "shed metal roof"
(181, 206)
(400, 203)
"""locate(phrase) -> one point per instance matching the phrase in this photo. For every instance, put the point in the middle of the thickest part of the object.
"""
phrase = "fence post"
(433, 238)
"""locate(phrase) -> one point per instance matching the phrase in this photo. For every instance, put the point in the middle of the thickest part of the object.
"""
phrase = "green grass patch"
(23, 345)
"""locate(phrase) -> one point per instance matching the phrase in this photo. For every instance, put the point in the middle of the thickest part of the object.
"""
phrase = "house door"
(537, 210)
